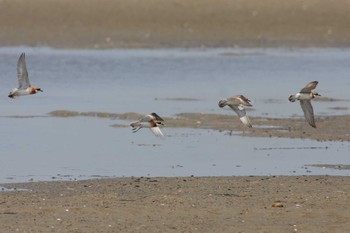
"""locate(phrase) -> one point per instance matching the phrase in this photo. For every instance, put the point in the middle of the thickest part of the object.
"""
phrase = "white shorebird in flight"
(24, 87)
(150, 121)
(305, 96)
(237, 104)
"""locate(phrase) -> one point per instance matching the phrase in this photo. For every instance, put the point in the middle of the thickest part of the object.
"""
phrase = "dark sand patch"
(183, 204)
(174, 23)
(262, 126)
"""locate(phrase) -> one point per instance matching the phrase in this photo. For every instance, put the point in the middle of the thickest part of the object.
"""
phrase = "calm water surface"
(142, 81)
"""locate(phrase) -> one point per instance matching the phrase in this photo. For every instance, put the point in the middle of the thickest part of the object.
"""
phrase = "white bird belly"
(303, 96)
(19, 92)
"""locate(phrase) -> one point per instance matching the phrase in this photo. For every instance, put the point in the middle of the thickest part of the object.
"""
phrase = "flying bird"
(305, 96)
(150, 121)
(237, 104)
(24, 87)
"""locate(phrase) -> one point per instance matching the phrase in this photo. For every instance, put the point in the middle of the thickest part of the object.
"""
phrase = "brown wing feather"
(310, 86)
(244, 100)
(239, 99)
(156, 116)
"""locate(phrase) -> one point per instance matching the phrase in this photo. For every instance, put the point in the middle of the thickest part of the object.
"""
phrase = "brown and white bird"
(24, 87)
(150, 121)
(237, 104)
(305, 96)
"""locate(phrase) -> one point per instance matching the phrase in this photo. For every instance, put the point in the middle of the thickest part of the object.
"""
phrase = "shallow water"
(82, 148)
(142, 81)
(130, 80)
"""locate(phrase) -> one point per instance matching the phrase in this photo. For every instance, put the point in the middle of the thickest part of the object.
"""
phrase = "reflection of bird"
(150, 121)
(237, 104)
(24, 87)
(305, 96)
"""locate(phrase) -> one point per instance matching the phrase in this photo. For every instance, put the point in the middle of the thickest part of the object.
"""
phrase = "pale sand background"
(177, 23)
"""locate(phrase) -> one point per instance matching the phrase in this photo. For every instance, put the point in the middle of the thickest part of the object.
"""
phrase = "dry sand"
(177, 23)
(187, 204)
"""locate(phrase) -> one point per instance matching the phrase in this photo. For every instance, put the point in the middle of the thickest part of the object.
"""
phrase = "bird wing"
(308, 112)
(238, 109)
(156, 116)
(242, 114)
(233, 100)
(310, 86)
(156, 131)
(245, 120)
(22, 73)
(146, 118)
(243, 100)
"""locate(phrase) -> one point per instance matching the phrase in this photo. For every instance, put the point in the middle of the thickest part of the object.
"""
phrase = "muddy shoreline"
(262, 126)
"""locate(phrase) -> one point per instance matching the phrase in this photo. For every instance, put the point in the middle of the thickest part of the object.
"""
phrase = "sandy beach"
(174, 23)
(183, 204)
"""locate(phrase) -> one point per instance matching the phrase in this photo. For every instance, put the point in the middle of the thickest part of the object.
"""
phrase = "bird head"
(222, 103)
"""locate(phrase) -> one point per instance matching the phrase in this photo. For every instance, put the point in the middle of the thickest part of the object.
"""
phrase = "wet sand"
(326, 129)
(183, 204)
(174, 23)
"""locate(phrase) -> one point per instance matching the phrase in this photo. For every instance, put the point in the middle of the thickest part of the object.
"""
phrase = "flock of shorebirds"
(153, 121)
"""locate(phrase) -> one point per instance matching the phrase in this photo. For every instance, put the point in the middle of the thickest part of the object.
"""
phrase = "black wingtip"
(157, 116)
